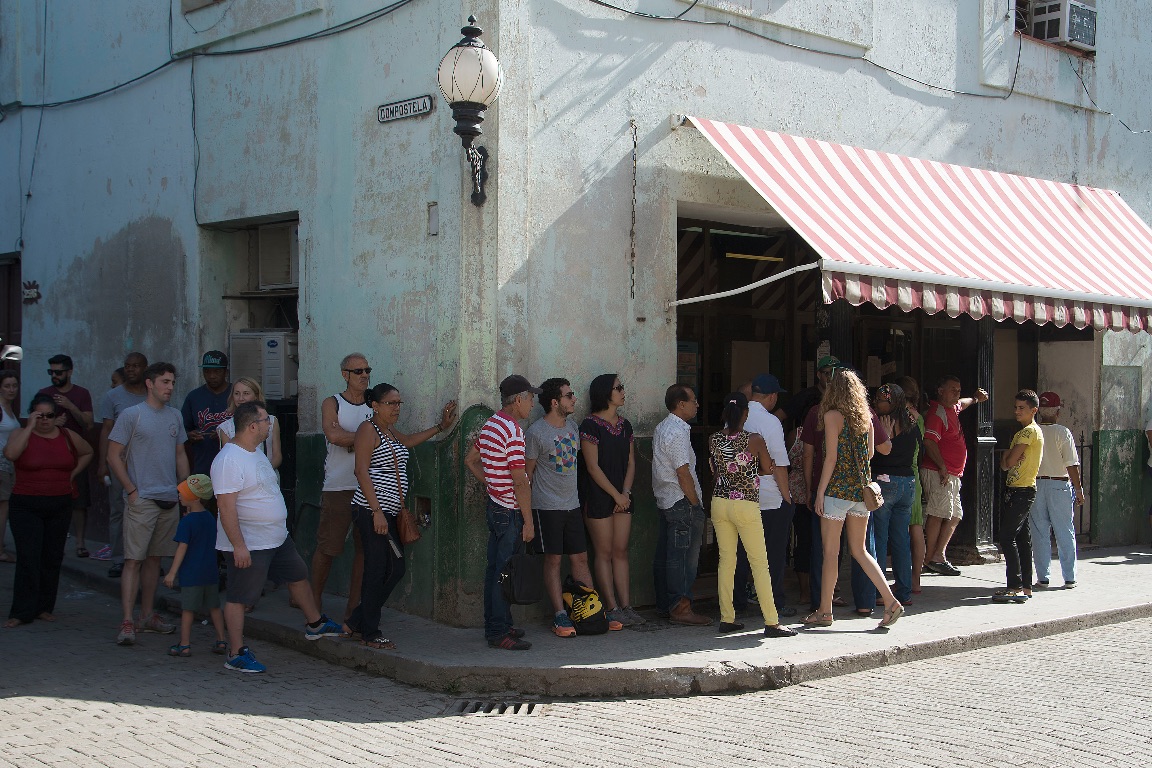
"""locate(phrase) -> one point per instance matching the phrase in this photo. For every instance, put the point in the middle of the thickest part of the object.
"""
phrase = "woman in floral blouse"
(738, 459)
(849, 443)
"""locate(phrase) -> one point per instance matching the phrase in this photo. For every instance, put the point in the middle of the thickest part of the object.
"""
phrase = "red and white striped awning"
(894, 230)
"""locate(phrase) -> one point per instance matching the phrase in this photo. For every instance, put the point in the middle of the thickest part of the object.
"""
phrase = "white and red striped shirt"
(501, 446)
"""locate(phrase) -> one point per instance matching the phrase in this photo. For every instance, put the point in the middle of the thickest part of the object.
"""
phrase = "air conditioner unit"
(278, 248)
(1071, 22)
(271, 357)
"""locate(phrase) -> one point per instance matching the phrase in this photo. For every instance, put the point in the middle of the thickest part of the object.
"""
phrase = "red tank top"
(45, 467)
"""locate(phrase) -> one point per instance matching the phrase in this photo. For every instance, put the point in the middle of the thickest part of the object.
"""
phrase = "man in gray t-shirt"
(550, 448)
(146, 454)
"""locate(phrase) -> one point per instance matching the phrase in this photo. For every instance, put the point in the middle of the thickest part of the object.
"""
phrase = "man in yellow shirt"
(1021, 463)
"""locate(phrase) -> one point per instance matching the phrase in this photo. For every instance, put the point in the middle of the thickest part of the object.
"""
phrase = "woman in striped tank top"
(382, 477)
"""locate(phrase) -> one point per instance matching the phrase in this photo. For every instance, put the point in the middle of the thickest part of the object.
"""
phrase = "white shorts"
(838, 509)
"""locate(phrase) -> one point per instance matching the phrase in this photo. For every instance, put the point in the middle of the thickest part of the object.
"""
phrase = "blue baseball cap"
(767, 384)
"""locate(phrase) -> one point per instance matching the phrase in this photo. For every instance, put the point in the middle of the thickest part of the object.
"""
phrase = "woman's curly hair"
(846, 394)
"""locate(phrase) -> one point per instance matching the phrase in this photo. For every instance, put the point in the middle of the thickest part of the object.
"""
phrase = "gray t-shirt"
(115, 401)
(554, 481)
(151, 437)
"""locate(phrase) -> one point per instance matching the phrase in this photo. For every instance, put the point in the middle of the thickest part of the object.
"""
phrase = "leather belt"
(1046, 477)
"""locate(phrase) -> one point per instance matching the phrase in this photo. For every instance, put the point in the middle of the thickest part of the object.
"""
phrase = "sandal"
(81, 552)
(1009, 596)
(220, 647)
(817, 619)
(839, 602)
(380, 643)
(183, 651)
(891, 615)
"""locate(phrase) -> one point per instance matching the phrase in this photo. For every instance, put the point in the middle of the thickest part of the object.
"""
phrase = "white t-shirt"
(259, 504)
(1059, 451)
(768, 427)
(229, 430)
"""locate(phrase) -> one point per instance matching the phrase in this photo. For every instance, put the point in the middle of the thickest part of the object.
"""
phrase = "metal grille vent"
(482, 708)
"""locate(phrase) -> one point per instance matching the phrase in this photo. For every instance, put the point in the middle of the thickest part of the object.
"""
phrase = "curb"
(571, 682)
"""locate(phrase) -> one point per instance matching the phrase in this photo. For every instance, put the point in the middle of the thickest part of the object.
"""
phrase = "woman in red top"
(47, 459)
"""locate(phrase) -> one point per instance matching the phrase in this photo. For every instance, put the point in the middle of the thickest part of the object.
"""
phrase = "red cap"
(1049, 400)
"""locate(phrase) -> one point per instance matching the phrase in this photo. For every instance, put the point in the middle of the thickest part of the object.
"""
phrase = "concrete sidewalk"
(953, 614)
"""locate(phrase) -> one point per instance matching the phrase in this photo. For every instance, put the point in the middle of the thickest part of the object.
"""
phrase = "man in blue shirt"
(206, 408)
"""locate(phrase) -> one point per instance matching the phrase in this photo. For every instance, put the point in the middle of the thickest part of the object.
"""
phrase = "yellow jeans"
(734, 522)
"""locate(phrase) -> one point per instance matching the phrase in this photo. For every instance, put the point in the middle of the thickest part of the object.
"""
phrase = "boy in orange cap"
(195, 561)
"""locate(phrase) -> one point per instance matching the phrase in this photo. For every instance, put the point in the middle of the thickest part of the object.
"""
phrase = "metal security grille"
(482, 708)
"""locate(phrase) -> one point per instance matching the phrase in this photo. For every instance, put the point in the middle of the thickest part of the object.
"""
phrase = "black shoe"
(115, 571)
(779, 631)
(510, 643)
(726, 627)
(786, 611)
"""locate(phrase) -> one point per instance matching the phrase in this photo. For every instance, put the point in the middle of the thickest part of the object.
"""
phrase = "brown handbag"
(873, 498)
(407, 529)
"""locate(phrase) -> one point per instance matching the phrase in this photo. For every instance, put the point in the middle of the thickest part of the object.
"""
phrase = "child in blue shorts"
(195, 561)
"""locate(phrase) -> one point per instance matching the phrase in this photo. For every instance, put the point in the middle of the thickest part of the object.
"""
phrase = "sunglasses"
(618, 388)
(358, 371)
(58, 371)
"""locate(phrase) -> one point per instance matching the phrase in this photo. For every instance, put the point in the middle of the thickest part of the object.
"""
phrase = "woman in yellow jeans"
(737, 460)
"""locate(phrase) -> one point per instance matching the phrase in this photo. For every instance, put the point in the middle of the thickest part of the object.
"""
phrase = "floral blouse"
(737, 470)
(852, 471)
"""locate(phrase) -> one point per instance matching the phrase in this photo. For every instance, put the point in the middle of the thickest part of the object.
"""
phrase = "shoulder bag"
(407, 529)
(873, 497)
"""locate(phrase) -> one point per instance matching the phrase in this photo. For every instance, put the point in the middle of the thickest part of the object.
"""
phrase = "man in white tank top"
(340, 415)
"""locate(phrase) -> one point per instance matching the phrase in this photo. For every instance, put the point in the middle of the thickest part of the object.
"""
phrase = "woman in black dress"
(609, 457)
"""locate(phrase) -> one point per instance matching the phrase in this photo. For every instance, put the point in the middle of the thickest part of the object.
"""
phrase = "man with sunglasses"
(340, 416)
(74, 409)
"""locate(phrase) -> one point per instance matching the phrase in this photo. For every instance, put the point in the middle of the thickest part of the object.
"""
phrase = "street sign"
(397, 110)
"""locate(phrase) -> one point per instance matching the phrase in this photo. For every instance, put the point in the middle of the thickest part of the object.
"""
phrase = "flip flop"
(379, 644)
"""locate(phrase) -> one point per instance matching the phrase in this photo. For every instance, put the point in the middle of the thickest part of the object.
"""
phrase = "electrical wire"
(852, 57)
(173, 58)
(26, 197)
(1094, 104)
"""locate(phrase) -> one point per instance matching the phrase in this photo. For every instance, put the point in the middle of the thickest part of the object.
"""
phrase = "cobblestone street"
(72, 697)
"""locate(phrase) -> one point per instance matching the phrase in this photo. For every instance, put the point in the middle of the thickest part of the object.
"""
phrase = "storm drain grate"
(494, 708)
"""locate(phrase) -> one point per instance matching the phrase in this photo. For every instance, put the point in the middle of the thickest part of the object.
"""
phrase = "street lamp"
(470, 78)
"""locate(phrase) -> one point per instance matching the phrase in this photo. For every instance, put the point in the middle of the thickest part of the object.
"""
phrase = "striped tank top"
(389, 461)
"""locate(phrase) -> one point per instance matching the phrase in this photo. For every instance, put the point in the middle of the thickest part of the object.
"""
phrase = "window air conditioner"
(271, 357)
(279, 253)
(1071, 22)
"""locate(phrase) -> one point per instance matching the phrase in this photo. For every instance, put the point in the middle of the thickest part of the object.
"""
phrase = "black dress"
(614, 444)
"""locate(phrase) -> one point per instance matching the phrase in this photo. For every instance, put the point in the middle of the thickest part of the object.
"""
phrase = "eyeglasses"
(358, 371)
(569, 395)
(58, 371)
(393, 403)
(619, 388)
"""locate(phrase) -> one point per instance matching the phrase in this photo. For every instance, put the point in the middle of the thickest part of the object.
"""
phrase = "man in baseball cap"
(515, 385)
(206, 408)
(1057, 487)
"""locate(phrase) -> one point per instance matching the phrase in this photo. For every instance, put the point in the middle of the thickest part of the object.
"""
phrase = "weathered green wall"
(445, 569)
(1120, 489)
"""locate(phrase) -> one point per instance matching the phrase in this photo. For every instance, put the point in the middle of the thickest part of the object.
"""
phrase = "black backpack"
(584, 608)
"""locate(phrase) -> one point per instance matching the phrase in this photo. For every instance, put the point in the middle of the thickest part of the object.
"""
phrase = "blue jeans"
(863, 592)
(504, 530)
(679, 533)
(892, 521)
(1054, 509)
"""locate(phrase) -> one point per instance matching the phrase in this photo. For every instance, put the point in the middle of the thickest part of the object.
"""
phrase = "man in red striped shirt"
(497, 460)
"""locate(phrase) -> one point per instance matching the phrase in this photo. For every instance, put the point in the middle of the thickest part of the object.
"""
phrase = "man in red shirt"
(945, 454)
(497, 460)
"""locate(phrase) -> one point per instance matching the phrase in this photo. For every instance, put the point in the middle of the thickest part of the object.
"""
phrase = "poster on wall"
(688, 364)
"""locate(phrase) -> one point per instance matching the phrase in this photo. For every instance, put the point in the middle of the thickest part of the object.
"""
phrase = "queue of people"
(567, 487)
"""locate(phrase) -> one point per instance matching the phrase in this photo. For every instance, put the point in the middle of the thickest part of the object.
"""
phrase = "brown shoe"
(682, 613)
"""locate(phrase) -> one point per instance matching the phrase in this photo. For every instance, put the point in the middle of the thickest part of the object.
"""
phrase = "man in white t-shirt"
(252, 533)
(776, 507)
(1057, 489)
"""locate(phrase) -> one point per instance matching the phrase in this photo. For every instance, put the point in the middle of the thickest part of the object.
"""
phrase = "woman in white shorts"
(849, 443)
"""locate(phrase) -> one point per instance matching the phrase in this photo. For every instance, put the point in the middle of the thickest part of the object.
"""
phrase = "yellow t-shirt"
(1023, 475)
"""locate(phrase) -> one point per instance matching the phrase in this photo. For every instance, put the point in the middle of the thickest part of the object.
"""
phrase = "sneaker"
(1069, 585)
(562, 625)
(634, 618)
(127, 634)
(944, 568)
(327, 628)
(115, 571)
(617, 617)
(510, 643)
(245, 662)
(104, 553)
(155, 624)
(1041, 585)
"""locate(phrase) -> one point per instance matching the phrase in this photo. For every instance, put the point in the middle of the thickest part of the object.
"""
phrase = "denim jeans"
(679, 533)
(505, 528)
(892, 521)
(382, 571)
(1015, 538)
(863, 592)
(777, 527)
(1053, 510)
(39, 529)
